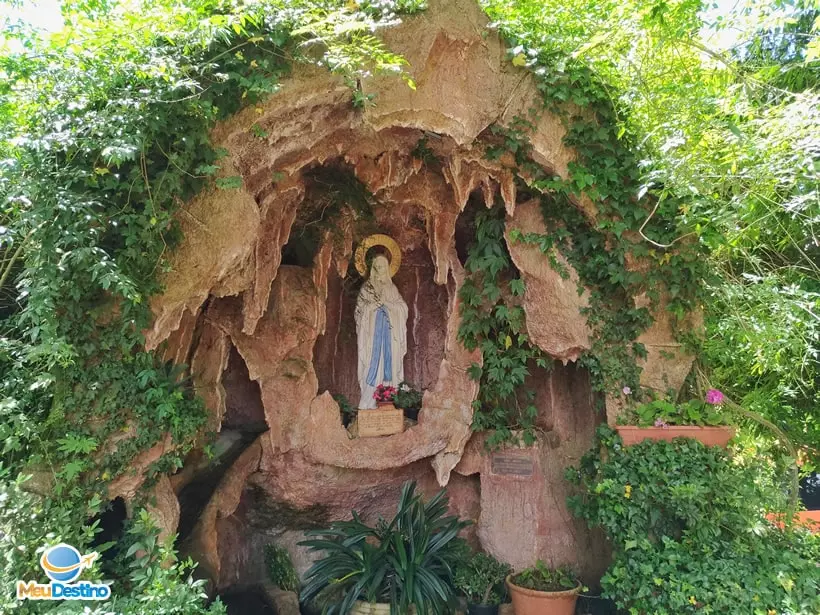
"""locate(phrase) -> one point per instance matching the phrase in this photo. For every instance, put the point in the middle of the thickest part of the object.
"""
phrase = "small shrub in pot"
(540, 589)
(480, 579)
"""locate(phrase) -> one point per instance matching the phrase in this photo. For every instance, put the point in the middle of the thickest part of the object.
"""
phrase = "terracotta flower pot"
(385, 405)
(710, 436)
(533, 602)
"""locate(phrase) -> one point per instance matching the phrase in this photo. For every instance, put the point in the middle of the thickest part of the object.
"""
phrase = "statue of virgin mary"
(381, 331)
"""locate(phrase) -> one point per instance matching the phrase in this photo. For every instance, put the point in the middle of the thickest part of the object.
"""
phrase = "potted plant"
(480, 579)
(384, 395)
(540, 589)
(408, 399)
(663, 420)
(347, 409)
(401, 566)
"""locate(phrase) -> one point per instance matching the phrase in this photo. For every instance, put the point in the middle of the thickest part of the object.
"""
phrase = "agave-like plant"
(407, 562)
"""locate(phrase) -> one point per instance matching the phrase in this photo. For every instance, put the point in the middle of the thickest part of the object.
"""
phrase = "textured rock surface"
(268, 329)
(163, 507)
(267, 498)
(126, 485)
(552, 304)
(524, 516)
(667, 363)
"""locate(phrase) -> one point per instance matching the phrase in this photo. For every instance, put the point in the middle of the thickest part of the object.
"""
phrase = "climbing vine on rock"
(492, 320)
(594, 215)
(599, 240)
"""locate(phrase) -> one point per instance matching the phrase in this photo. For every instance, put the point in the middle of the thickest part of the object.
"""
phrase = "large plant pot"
(482, 609)
(710, 436)
(533, 602)
(370, 608)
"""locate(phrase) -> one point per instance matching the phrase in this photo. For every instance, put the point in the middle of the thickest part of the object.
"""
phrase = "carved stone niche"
(335, 354)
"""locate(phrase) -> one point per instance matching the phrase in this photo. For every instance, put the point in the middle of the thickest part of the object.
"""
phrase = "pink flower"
(661, 423)
(714, 397)
(626, 391)
(384, 393)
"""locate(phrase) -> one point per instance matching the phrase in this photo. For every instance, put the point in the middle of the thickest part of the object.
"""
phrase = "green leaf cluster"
(492, 320)
(480, 578)
(688, 531)
(545, 579)
(406, 562)
(281, 571)
(692, 412)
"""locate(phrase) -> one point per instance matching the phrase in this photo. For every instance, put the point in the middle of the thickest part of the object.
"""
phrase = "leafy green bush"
(544, 579)
(661, 412)
(687, 526)
(280, 568)
(480, 578)
(407, 562)
(406, 397)
(148, 578)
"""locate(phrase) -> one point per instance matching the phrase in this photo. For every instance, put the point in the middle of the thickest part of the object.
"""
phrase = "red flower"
(384, 393)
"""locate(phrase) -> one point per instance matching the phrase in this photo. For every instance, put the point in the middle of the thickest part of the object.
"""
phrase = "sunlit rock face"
(260, 296)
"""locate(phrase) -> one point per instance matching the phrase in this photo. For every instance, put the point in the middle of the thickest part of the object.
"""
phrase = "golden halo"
(378, 240)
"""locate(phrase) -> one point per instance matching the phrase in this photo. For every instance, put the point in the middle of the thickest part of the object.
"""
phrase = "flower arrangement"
(408, 399)
(384, 394)
(661, 413)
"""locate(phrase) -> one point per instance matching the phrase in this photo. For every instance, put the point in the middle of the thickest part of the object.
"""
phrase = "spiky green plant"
(407, 562)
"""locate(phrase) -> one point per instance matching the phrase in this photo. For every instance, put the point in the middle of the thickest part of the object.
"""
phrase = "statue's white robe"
(367, 305)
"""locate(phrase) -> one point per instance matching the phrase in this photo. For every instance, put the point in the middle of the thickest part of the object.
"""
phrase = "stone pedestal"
(524, 515)
(510, 526)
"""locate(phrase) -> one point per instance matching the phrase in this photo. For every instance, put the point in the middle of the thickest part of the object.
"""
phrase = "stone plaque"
(380, 422)
(510, 464)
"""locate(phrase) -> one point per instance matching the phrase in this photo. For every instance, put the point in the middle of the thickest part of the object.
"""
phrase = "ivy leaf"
(76, 444)
(71, 470)
(233, 182)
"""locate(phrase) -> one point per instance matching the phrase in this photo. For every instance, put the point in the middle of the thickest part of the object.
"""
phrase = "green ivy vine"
(492, 320)
(614, 263)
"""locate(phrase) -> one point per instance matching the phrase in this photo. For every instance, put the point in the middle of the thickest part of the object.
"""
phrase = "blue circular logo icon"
(62, 563)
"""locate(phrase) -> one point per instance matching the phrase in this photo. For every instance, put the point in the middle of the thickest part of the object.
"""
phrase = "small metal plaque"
(512, 465)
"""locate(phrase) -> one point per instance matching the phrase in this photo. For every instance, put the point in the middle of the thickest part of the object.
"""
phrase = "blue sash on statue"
(382, 344)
